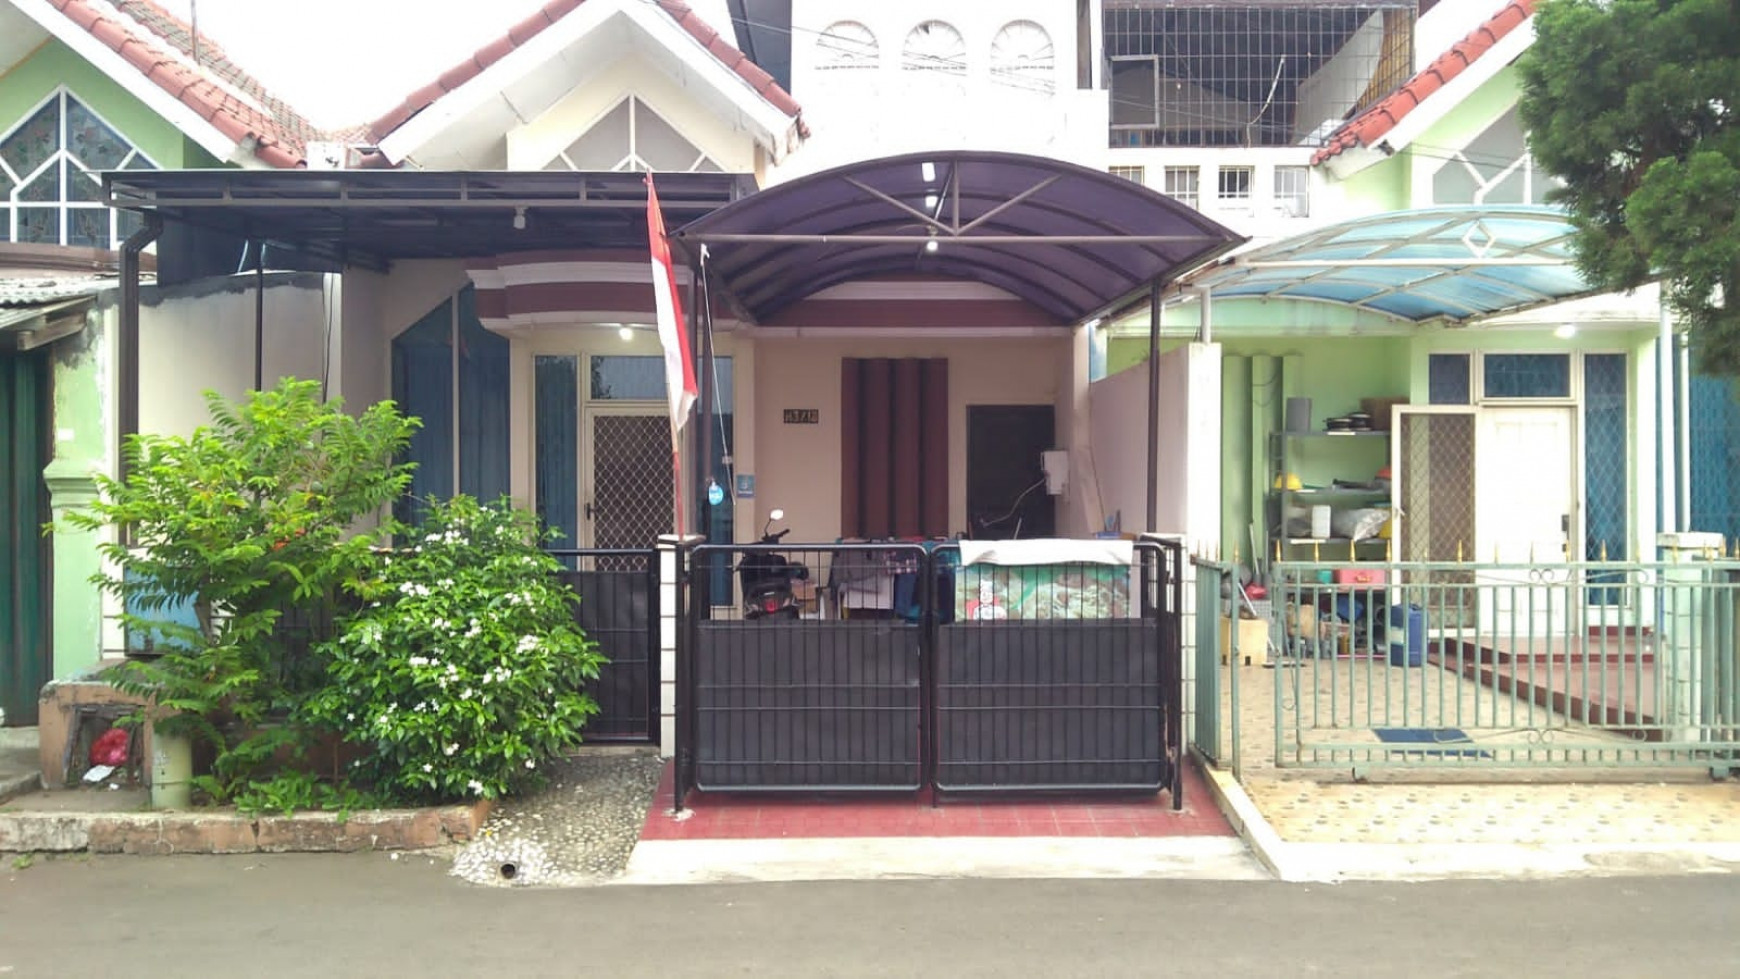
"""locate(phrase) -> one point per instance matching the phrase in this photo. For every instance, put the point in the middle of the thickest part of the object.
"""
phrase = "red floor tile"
(719, 816)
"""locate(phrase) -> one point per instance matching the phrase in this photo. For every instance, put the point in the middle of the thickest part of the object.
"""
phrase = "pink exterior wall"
(797, 467)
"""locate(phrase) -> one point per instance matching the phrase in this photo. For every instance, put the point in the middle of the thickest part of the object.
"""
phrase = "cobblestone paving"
(580, 830)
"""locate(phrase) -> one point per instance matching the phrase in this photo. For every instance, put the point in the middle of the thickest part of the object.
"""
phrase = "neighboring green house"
(86, 86)
(1543, 418)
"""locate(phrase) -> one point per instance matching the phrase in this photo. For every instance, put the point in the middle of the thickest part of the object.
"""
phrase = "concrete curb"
(163, 833)
(931, 858)
(1246, 819)
(18, 785)
(1336, 862)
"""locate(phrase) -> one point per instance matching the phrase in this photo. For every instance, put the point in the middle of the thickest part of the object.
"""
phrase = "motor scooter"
(767, 577)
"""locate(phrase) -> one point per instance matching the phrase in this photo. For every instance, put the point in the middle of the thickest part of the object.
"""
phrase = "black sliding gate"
(905, 670)
(618, 610)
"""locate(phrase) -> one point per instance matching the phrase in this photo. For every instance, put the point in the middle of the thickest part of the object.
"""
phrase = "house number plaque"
(803, 416)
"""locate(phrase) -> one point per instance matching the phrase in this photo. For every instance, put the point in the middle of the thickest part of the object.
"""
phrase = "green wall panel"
(54, 64)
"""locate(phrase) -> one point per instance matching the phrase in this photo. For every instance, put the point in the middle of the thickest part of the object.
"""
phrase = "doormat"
(1431, 736)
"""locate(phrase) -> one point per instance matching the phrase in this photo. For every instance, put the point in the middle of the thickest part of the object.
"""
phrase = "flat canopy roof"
(375, 216)
(1072, 241)
(1443, 263)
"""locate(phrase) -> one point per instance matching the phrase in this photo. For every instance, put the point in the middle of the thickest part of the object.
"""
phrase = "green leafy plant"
(464, 672)
(260, 515)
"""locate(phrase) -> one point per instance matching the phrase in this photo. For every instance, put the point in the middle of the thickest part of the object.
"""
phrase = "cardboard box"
(1253, 640)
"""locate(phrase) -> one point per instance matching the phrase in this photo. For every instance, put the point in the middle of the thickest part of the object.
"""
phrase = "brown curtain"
(894, 447)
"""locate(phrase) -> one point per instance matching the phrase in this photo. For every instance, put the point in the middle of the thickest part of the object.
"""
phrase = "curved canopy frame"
(1450, 264)
(1074, 242)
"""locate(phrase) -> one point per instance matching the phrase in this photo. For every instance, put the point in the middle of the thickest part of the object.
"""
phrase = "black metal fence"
(813, 683)
(891, 667)
(618, 610)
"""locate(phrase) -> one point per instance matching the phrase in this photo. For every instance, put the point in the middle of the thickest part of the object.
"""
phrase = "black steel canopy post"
(259, 315)
(127, 340)
(1154, 407)
(700, 336)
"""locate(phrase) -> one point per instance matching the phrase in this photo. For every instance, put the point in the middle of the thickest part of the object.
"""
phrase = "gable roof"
(1370, 126)
(159, 46)
(552, 12)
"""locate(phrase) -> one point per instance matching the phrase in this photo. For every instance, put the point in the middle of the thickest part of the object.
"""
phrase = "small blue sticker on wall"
(715, 494)
(745, 486)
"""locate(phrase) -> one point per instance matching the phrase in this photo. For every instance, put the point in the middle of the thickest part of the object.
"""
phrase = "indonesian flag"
(679, 369)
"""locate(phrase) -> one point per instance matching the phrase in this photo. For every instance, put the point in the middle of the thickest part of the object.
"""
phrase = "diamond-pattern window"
(631, 136)
(49, 189)
(1526, 375)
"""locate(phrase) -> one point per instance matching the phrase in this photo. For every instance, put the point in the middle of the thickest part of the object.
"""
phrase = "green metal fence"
(1425, 665)
(1215, 734)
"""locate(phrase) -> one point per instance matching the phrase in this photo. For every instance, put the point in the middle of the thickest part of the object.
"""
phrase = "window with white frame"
(1181, 185)
(1022, 57)
(1135, 175)
(849, 48)
(632, 136)
(1293, 191)
(48, 176)
(1233, 186)
(936, 50)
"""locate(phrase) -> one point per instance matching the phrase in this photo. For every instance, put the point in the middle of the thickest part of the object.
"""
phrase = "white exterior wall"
(200, 337)
(859, 115)
(1262, 216)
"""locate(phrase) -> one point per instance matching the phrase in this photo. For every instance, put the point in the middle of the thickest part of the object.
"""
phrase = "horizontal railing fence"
(1061, 677)
(817, 687)
(618, 609)
(890, 667)
(1469, 665)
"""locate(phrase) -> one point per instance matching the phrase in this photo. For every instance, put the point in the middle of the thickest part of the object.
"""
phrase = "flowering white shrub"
(464, 670)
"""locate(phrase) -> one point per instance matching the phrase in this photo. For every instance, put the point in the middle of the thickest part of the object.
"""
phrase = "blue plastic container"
(1407, 634)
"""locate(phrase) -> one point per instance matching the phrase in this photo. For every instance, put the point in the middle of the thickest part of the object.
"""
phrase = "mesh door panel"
(631, 480)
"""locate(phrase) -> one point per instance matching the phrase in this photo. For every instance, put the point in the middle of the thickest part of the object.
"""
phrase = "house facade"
(1586, 395)
(84, 88)
(536, 368)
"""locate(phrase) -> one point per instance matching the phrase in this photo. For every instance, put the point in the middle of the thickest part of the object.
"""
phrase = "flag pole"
(674, 339)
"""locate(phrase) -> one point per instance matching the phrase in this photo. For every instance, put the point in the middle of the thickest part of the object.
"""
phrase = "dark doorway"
(1006, 495)
(24, 554)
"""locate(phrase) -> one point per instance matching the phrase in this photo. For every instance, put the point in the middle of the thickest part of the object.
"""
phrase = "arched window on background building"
(1022, 58)
(939, 52)
(846, 52)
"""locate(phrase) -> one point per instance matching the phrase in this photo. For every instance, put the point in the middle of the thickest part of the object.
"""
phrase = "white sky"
(342, 62)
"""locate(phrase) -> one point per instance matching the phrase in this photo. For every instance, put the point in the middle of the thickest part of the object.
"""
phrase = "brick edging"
(164, 833)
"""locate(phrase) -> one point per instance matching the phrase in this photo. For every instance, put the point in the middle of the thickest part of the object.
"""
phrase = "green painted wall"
(1468, 119)
(1335, 373)
(54, 64)
(1383, 186)
(81, 449)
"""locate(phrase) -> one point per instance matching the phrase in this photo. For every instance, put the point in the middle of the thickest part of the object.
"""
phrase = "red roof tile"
(554, 11)
(281, 135)
(1371, 125)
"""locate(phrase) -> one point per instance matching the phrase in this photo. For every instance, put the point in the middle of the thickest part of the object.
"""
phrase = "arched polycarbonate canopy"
(1072, 241)
(1444, 263)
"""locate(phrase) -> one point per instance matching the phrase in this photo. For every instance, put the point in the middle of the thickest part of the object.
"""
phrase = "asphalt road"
(366, 915)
